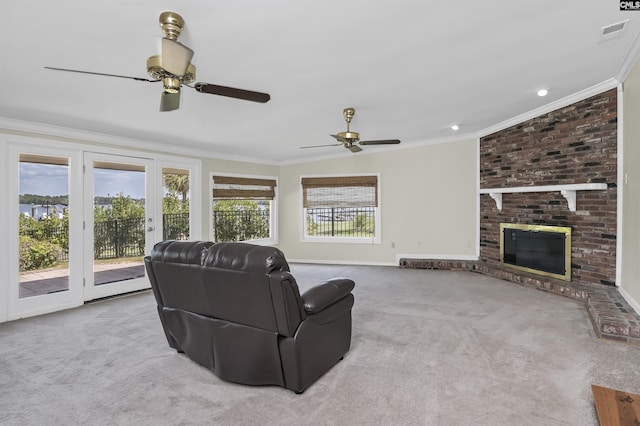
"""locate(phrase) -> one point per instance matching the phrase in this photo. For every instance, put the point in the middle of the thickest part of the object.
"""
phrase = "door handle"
(151, 228)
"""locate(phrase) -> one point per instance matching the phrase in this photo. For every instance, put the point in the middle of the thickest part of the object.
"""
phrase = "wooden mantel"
(567, 191)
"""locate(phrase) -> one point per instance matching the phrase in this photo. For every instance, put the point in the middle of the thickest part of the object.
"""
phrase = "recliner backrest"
(238, 282)
(245, 257)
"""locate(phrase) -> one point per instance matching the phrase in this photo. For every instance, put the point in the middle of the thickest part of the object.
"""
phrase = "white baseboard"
(397, 262)
(341, 262)
(629, 299)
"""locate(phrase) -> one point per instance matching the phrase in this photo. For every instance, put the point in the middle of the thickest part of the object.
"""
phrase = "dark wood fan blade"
(320, 146)
(380, 142)
(354, 148)
(231, 92)
(169, 101)
(103, 74)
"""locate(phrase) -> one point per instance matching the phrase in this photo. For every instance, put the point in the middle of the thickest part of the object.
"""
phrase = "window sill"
(263, 242)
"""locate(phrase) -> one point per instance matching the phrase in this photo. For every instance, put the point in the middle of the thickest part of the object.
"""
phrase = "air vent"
(613, 30)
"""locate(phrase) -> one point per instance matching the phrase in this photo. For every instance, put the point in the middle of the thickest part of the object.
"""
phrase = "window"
(43, 224)
(243, 208)
(175, 204)
(341, 208)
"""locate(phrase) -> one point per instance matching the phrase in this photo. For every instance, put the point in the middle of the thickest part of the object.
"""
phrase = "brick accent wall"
(574, 144)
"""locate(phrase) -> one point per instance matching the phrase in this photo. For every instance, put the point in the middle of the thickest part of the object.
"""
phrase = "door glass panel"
(43, 225)
(118, 222)
(175, 204)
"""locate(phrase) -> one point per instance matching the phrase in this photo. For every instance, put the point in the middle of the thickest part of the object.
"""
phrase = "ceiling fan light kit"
(174, 69)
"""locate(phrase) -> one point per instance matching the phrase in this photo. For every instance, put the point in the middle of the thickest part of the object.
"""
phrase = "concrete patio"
(35, 283)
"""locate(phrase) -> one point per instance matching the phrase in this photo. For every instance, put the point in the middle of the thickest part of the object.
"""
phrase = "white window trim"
(377, 238)
(4, 230)
(273, 220)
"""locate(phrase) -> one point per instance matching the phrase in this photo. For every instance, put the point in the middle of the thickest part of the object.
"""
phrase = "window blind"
(344, 191)
(240, 188)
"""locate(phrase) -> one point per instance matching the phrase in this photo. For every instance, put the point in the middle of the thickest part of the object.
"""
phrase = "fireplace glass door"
(540, 249)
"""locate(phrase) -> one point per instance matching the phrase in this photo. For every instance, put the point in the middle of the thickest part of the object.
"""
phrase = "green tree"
(172, 205)
(43, 242)
(239, 220)
(37, 254)
(177, 184)
(176, 218)
(44, 199)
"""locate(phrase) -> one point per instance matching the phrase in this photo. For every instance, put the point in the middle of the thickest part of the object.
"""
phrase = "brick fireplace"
(563, 166)
(573, 145)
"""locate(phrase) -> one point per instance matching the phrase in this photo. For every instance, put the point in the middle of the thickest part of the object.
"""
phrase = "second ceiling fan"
(351, 140)
(174, 68)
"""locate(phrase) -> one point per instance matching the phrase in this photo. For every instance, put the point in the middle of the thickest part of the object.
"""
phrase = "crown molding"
(630, 60)
(609, 84)
(381, 149)
(75, 135)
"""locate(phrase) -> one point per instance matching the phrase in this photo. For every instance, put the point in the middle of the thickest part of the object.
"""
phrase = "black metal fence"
(175, 226)
(341, 222)
(114, 238)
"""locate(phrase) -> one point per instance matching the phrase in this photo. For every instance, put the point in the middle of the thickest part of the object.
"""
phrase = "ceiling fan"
(351, 140)
(174, 68)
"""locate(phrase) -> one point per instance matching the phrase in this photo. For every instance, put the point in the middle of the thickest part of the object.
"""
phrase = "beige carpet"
(428, 348)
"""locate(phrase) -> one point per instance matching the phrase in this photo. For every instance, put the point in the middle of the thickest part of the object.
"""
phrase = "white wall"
(429, 204)
(630, 264)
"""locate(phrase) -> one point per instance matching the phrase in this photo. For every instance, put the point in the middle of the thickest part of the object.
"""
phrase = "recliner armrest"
(326, 294)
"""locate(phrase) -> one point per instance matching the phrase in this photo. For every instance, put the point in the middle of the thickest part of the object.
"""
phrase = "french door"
(119, 223)
(79, 223)
(45, 226)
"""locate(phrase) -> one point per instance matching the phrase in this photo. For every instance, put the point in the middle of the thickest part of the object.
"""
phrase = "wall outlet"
(393, 244)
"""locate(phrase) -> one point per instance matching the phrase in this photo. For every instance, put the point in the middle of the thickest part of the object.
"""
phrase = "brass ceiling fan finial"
(172, 24)
(348, 114)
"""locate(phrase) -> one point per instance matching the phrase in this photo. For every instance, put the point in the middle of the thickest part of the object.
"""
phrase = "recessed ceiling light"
(455, 127)
(543, 92)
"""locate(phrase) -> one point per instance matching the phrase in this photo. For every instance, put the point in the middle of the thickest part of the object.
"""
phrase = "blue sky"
(50, 179)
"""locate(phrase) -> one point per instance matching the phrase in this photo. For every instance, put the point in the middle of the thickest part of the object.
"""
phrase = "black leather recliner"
(235, 309)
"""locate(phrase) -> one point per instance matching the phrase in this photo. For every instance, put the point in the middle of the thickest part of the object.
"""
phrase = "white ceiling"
(411, 68)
